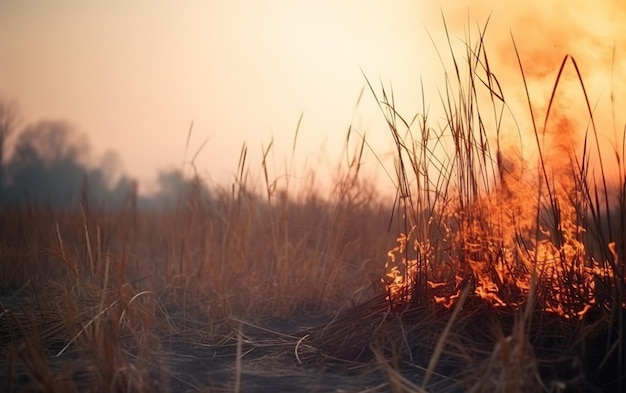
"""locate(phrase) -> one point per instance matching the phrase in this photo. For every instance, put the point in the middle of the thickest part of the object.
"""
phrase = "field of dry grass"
(99, 298)
(477, 277)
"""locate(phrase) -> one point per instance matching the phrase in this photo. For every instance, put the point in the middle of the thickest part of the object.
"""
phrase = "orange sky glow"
(134, 75)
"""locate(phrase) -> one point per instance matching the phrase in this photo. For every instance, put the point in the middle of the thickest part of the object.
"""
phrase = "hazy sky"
(133, 75)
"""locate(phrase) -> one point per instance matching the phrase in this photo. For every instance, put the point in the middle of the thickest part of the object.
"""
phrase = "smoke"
(590, 34)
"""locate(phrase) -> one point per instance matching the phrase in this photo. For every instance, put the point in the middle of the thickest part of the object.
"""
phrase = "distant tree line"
(48, 163)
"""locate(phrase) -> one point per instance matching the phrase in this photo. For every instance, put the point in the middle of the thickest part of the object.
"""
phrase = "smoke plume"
(590, 35)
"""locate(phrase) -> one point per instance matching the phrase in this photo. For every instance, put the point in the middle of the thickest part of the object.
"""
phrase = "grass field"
(483, 274)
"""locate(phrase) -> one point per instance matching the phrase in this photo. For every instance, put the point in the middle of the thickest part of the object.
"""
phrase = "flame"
(567, 289)
(521, 236)
(505, 246)
(399, 273)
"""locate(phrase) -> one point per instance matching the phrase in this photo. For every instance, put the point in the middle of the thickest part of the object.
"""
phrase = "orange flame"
(505, 251)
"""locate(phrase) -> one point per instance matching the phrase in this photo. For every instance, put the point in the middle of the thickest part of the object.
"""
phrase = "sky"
(134, 75)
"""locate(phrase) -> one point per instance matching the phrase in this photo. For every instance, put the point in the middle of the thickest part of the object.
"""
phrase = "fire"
(567, 285)
(487, 218)
(399, 274)
(505, 246)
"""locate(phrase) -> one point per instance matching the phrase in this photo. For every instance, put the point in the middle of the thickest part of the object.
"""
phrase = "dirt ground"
(307, 352)
(273, 355)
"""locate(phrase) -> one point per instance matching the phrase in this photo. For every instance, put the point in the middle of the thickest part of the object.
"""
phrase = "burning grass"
(534, 244)
(502, 276)
(508, 276)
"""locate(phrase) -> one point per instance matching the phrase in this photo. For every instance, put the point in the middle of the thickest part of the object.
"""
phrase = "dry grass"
(183, 299)
(97, 299)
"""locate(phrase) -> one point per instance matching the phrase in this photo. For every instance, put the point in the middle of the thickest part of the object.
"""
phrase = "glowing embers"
(503, 272)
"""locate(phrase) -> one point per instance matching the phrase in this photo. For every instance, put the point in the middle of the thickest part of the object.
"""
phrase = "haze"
(134, 75)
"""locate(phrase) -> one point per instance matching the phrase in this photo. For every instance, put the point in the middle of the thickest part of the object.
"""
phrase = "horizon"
(133, 78)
